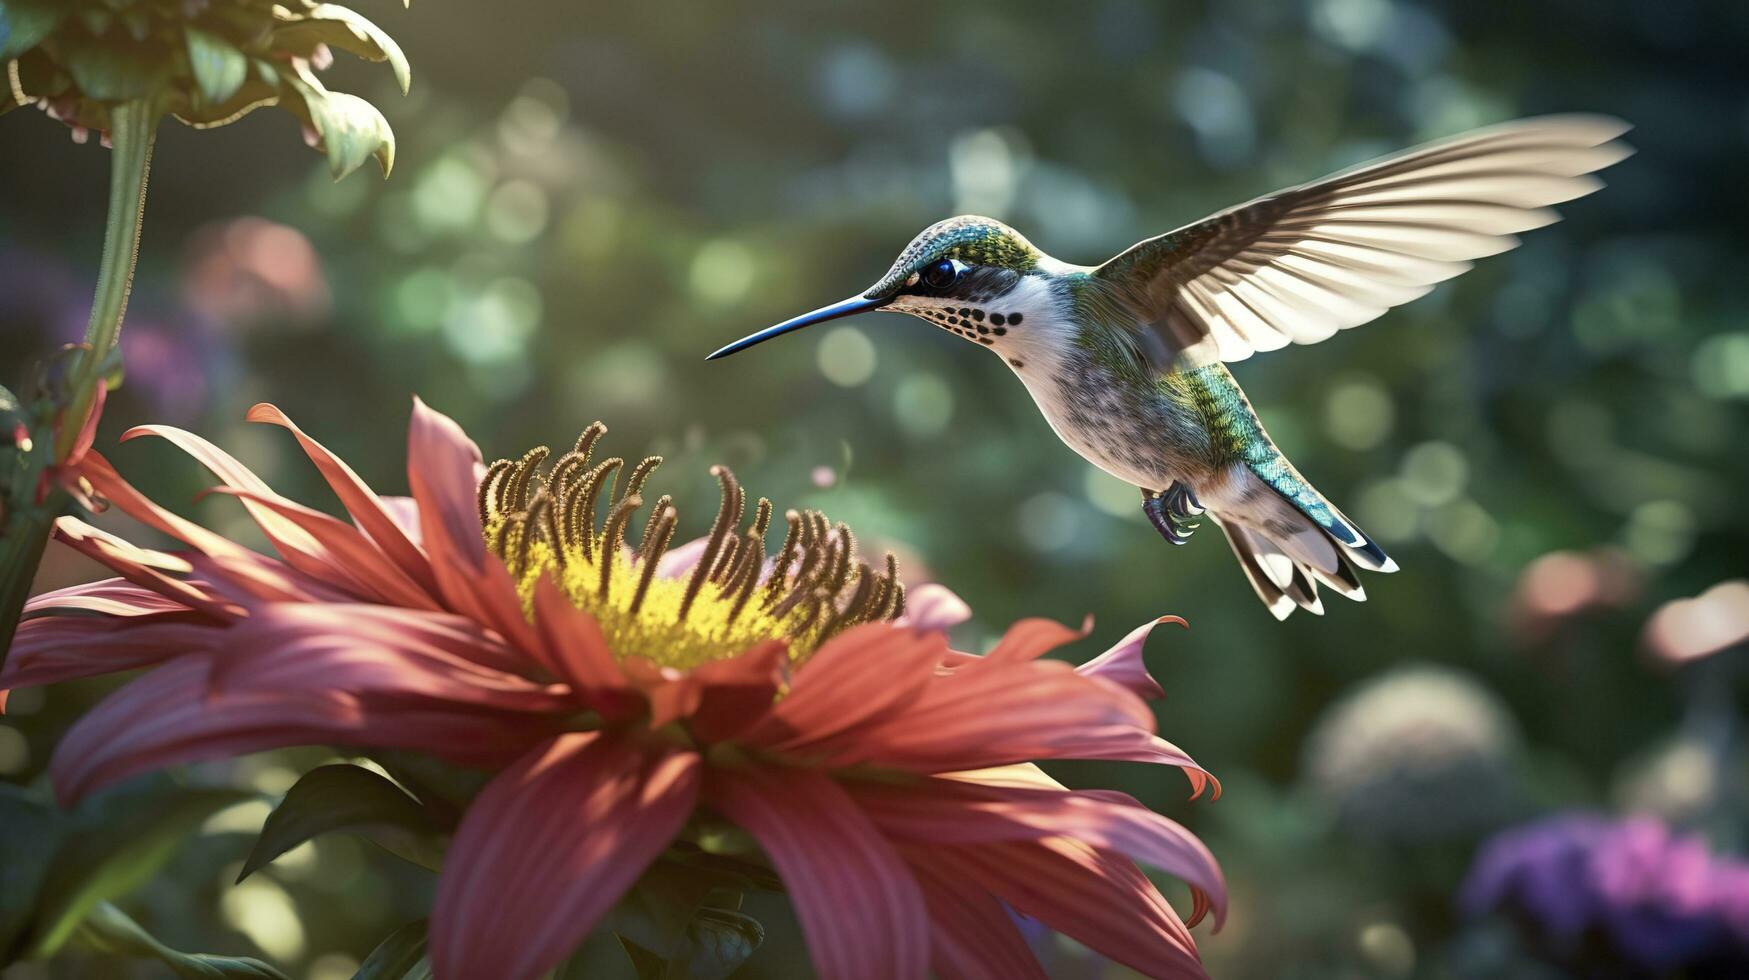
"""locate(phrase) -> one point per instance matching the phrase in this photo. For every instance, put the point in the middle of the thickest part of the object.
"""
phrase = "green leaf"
(219, 68)
(647, 965)
(655, 911)
(116, 842)
(30, 831)
(349, 799)
(400, 957)
(721, 940)
(352, 129)
(114, 71)
(110, 930)
(23, 25)
(717, 942)
(679, 922)
(340, 27)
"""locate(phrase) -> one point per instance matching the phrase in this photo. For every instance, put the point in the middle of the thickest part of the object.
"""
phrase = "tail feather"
(1279, 475)
(1288, 538)
(1277, 579)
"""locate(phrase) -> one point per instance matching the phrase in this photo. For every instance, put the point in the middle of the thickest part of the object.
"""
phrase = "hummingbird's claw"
(1172, 513)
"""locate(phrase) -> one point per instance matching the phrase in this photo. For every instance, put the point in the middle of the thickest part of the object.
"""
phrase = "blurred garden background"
(588, 198)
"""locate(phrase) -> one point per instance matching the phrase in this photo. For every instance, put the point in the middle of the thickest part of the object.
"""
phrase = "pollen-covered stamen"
(613, 537)
(667, 519)
(785, 555)
(488, 494)
(579, 519)
(522, 476)
(544, 525)
(726, 514)
(664, 504)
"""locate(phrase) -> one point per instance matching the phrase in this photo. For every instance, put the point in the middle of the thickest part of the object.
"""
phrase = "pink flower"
(622, 691)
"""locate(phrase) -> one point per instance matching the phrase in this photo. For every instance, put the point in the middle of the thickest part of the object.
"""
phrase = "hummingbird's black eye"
(941, 275)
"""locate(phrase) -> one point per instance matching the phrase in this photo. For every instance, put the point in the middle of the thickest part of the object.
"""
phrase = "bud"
(207, 62)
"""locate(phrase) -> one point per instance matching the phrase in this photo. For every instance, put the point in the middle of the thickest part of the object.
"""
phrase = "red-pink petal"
(52, 649)
(442, 468)
(858, 904)
(245, 569)
(1102, 901)
(301, 550)
(351, 556)
(171, 716)
(1030, 639)
(738, 692)
(861, 678)
(972, 936)
(152, 570)
(1123, 664)
(1005, 712)
(404, 511)
(373, 652)
(109, 597)
(949, 810)
(549, 846)
(375, 515)
(572, 648)
(933, 607)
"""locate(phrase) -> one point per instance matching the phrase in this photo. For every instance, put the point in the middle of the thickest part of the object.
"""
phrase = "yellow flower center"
(570, 521)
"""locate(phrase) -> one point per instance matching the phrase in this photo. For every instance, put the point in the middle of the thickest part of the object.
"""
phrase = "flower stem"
(133, 126)
(26, 521)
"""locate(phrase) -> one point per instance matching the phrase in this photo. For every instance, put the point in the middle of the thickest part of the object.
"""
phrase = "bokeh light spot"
(722, 272)
(1721, 366)
(923, 404)
(1359, 413)
(1111, 495)
(517, 211)
(1049, 521)
(1660, 532)
(14, 751)
(263, 911)
(1434, 473)
(846, 357)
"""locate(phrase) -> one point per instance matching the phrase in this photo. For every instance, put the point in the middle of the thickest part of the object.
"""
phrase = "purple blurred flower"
(171, 357)
(1650, 898)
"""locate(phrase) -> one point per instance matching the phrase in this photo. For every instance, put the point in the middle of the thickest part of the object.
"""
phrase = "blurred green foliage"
(590, 200)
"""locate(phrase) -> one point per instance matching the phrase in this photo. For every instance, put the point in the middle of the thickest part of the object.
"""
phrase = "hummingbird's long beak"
(849, 307)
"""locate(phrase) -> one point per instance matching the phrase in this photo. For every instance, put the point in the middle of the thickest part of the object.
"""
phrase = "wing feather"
(1300, 265)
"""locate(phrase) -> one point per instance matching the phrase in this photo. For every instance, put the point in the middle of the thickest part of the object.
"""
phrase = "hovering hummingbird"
(1127, 360)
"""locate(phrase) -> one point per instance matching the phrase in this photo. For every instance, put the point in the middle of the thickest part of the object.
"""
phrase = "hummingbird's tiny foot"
(1172, 513)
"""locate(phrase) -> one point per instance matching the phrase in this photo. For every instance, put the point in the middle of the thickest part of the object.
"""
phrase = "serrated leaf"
(346, 29)
(24, 25)
(219, 68)
(401, 956)
(116, 842)
(110, 930)
(352, 130)
(30, 832)
(351, 799)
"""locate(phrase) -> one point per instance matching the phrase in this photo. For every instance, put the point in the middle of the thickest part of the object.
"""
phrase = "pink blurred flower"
(249, 268)
(488, 621)
(1562, 586)
(1690, 629)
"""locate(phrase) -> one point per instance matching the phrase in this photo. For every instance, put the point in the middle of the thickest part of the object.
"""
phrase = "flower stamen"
(545, 524)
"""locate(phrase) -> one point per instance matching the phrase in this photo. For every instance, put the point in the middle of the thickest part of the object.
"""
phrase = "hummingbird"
(1127, 360)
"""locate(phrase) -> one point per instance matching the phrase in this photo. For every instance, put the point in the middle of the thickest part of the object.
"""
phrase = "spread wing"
(1299, 265)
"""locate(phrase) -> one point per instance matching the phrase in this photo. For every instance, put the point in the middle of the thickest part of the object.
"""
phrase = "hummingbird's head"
(957, 274)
